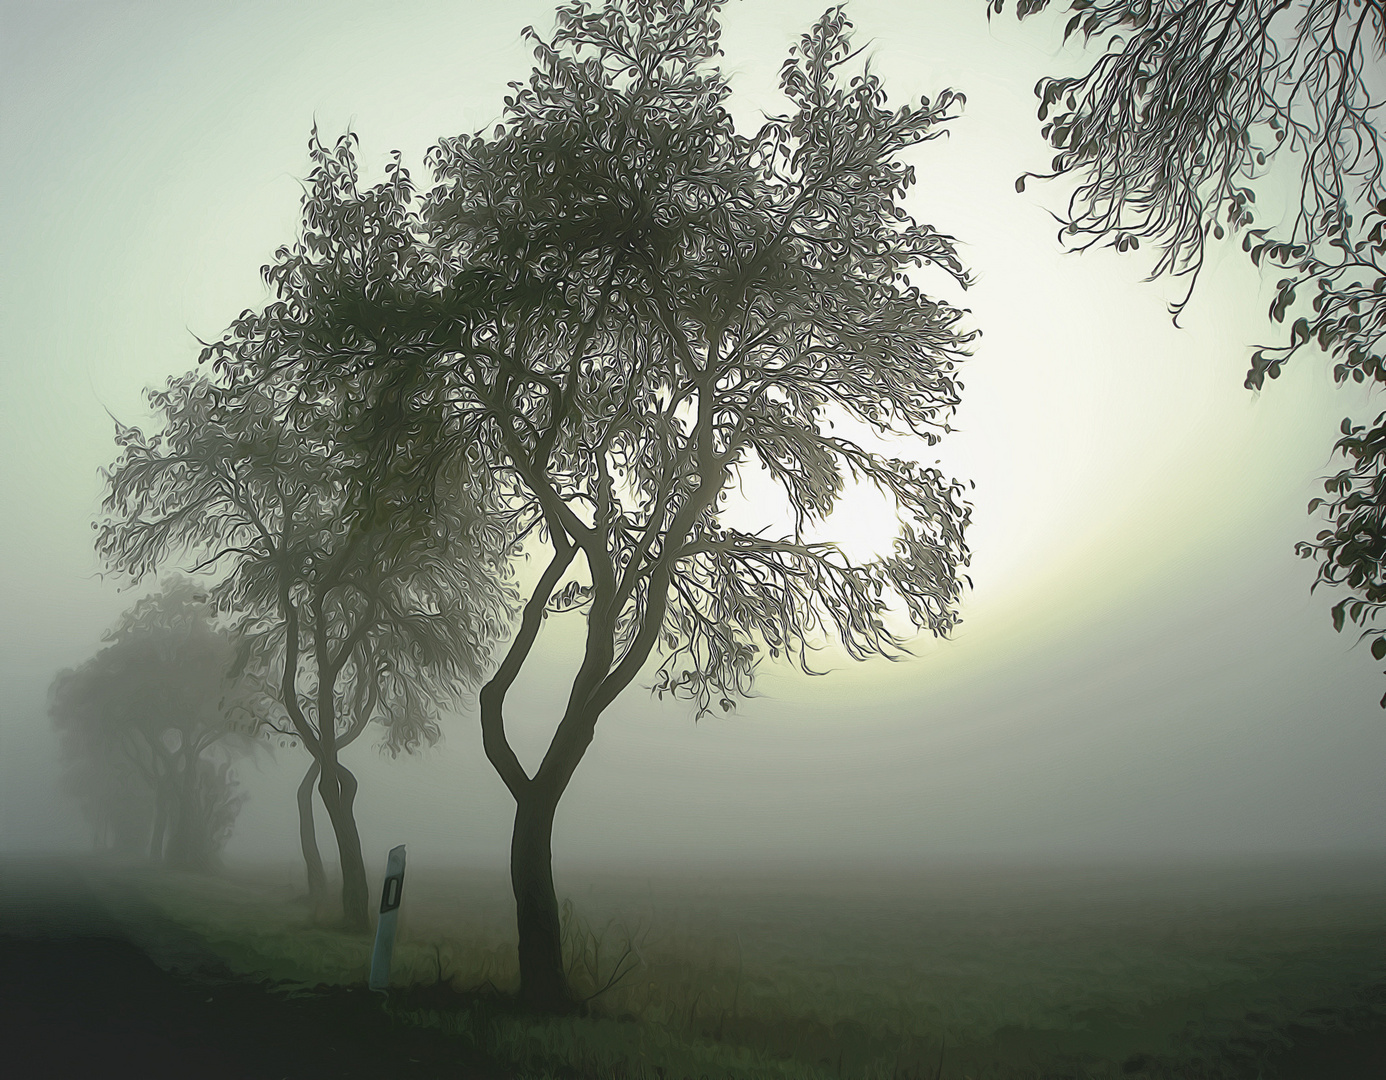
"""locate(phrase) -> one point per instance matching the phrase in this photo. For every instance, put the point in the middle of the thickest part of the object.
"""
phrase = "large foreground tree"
(151, 725)
(1190, 108)
(630, 305)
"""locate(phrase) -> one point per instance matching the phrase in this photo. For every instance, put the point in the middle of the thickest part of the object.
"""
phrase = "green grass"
(995, 977)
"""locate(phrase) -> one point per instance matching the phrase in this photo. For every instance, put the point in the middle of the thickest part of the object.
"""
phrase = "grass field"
(1212, 970)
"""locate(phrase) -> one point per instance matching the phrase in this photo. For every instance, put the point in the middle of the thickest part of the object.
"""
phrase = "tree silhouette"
(601, 316)
(361, 696)
(150, 726)
(356, 606)
(1173, 130)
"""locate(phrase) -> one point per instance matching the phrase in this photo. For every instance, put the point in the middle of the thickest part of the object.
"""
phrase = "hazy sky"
(1141, 667)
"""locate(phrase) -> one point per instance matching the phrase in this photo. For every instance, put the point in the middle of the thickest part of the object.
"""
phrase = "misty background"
(1141, 669)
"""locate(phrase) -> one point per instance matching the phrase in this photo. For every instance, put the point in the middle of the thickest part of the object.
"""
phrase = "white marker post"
(389, 915)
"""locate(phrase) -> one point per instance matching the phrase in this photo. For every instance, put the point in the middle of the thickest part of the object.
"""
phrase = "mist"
(1143, 701)
(1140, 667)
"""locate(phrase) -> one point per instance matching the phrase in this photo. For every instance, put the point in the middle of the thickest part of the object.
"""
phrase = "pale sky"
(1141, 668)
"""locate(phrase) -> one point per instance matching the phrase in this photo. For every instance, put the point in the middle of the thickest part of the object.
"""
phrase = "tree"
(358, 607)
(627, 305)
(364, 701)
(364, 696)
(150, 726)
(1171, 132)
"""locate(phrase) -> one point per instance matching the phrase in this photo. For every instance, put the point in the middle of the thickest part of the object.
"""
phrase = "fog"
(1141, 671)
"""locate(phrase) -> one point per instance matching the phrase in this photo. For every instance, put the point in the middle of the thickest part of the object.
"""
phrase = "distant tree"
(114, 797)
(360, 606)
(627, 305)
(1171, 133)
(150, 726)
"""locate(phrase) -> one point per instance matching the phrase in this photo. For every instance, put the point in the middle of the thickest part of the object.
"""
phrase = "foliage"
(601, 313)
(257, 481)
(634, 302)
(150, 725)
(1174, 129)
(356, 602)
(229, 481)
(1352, 551)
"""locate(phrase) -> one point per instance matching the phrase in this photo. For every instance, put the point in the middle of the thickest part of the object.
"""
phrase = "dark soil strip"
(78, 1000)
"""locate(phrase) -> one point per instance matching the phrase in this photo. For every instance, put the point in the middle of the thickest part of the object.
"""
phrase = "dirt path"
(95, 984)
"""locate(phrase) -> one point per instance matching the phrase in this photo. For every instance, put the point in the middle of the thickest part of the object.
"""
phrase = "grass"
(995, 975)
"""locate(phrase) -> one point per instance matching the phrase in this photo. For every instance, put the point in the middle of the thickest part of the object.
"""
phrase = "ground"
(1033, 975)
(79, 998)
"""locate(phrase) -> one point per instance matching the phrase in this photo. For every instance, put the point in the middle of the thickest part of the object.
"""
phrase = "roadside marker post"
(389, 915)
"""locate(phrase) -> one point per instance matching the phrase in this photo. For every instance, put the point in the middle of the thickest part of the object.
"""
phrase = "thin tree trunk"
(308, 839)
(336, 784)
(156, 839)
(338, 789)
(543, 983)
(185, 849)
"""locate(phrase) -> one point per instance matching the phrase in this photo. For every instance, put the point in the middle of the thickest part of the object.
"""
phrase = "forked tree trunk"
(308, 839)
(543, 983)
(338, 789)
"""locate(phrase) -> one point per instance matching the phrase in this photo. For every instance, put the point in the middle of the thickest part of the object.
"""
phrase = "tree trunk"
(338, 789)
(308, 839)
(543, 984)
(186, 851)
(156, 839)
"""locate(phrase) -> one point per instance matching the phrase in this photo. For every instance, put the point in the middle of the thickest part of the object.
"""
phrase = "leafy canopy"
(612, 303)
(160, 710)
(337, 578)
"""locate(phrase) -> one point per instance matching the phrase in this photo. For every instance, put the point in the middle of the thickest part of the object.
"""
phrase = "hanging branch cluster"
(1186, 109)
(1190, 105)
